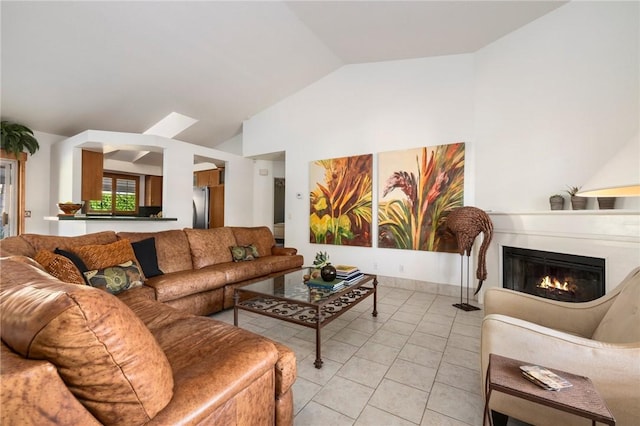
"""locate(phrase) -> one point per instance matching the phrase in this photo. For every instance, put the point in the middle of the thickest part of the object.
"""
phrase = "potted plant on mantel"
(577, 202)
(16, 138)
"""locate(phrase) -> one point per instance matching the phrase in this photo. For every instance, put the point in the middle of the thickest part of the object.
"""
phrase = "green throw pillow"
(116, 279)
(242, 253)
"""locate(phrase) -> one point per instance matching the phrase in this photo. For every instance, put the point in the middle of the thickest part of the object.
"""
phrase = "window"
(119, 195)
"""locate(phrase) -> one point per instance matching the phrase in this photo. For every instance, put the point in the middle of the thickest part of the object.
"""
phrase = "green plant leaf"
(16, 138)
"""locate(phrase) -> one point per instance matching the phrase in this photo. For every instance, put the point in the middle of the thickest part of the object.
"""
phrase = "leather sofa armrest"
(284, 251)
(32, 393)
(286, 372)
(285, 368)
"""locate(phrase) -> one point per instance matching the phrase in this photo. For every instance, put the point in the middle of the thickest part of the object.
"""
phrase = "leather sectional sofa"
(199, 274)
(75, 354)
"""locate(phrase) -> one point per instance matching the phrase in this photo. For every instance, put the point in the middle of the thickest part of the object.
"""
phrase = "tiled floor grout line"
(316, 410)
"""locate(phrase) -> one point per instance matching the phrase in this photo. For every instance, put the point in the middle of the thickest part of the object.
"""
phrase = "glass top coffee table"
(288, 298)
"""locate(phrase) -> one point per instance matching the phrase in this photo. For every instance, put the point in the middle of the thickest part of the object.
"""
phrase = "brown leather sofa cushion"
(51, 242)
(102, 350)
(240, 271)
(260, 236)
(180, 284)
(172, 248)
(210, 246)
(33, 394)
(16, 246)
(237, 357)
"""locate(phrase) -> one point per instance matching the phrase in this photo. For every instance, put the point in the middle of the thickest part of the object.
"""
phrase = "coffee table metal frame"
(582, 399)
(287, 298)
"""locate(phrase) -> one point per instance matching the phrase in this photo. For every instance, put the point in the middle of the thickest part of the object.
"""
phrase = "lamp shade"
(619, 177)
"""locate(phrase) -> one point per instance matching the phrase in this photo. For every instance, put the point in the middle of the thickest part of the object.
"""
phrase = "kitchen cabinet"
(92, 169)
(209, 177)
(153, 191)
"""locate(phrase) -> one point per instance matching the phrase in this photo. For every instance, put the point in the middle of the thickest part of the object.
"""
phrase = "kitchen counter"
(136, 218)
(80, 225)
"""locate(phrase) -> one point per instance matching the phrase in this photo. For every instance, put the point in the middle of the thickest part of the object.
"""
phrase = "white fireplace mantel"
(610, 234)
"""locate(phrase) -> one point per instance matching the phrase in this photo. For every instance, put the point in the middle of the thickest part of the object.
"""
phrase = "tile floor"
(416, 363)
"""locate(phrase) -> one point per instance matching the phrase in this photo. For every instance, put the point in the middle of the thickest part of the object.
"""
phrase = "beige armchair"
(598, 339)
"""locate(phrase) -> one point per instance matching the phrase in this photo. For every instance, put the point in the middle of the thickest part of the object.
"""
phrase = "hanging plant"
(17, 138)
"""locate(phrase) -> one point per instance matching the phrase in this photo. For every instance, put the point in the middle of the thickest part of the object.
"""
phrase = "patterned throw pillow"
(101, 256)
(60, 267)
(242, 253)
(116, 279)
(75, 259)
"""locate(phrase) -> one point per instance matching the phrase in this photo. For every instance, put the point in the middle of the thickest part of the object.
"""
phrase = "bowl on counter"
(70, 209)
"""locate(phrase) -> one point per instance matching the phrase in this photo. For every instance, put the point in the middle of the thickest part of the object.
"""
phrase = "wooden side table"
(582, 399)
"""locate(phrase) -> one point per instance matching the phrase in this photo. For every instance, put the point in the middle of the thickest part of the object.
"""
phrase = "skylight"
(170, 126)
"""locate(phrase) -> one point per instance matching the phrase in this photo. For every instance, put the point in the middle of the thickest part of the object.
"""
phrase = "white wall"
(38, 198)
(279, 169)
(363, 109)
(233, 145)
(554, 100)
(263, 186)
(538, 109)
(177, 173)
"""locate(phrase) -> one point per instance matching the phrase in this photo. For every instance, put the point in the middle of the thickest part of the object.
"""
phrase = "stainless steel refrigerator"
(201, 207)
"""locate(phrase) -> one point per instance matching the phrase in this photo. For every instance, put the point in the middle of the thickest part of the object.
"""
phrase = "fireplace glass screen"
(557, 276)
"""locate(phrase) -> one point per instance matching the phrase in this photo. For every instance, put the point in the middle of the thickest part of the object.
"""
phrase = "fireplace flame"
(548, 282)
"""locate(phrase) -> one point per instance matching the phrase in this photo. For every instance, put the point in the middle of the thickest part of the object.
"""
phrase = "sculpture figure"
(466, 223)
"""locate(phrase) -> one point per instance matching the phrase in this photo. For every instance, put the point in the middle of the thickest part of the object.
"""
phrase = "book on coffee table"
(352, 278)
(346, 269)
(326, 285)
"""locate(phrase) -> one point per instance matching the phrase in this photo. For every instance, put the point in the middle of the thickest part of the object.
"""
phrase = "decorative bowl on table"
(69, 208)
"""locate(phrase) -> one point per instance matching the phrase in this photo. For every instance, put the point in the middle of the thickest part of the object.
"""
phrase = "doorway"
(278, 209)
(8, 197)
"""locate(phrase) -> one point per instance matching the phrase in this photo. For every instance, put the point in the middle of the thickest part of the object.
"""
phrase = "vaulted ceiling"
(122, 66)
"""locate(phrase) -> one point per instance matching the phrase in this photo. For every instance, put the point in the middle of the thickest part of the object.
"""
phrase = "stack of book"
(349, 274)
(544, 378)
(319, 283)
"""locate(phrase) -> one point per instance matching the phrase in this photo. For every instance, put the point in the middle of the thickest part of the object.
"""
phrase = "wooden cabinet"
(216, 206)
(92, 169)
(209, 177)
(153, 191)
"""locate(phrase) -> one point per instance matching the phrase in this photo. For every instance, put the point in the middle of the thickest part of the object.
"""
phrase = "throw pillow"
(116, 279)
(146, 254)
(75, 259)
(59, 267)
(102, 256)
(243, 253)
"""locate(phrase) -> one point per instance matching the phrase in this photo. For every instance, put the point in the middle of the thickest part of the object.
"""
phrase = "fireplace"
(557, 276)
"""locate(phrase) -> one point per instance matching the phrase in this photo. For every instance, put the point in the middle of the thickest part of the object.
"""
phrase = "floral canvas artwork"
(340, 201)
(417, 188)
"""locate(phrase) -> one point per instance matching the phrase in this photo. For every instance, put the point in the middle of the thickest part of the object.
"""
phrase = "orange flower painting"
(340, 203)
(418, 187)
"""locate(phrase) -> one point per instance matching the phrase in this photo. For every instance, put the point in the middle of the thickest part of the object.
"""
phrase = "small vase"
(328, 273)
